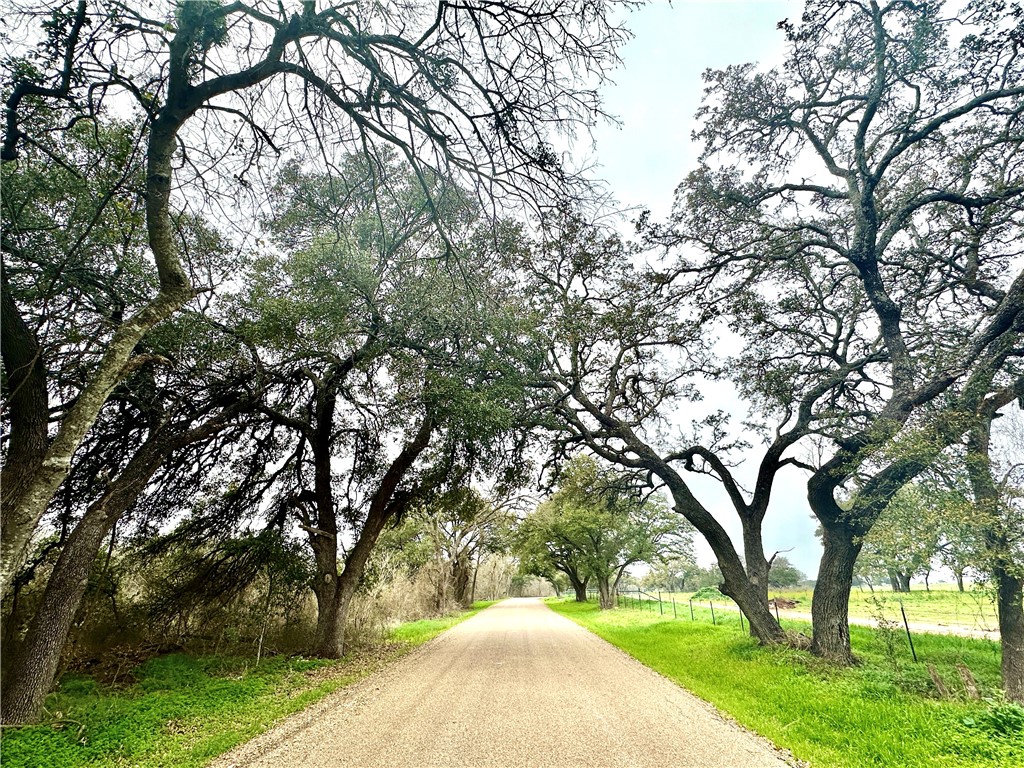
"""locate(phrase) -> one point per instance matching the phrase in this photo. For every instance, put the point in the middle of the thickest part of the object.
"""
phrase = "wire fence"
(726, 613)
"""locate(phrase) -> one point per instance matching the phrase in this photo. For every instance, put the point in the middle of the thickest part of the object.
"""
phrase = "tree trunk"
(384, 505)
(751, 598)
(1010, 600)
(35, 660)
(753, 553)
(605, 593)
(959, 574)
(830, 603)
(24, 511)
(325, 588)
(1005, 570)
(461, 579)
(579, 586)
(29, 409)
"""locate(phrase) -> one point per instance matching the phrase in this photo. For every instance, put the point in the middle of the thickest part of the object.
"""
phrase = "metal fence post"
(691, 610)
(712, 613)
(909, 638)
(674, 614)
(661, 608)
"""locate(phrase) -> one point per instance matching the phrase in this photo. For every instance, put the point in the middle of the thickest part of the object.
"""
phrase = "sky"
(655, 95)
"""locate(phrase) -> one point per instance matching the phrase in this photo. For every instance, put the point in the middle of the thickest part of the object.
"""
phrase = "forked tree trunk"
(330, 640)
(605, 593)
(579, 587)
(751, 598)
(830, 604)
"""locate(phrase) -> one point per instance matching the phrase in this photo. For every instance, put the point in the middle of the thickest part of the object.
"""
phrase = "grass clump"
(184, 710)
(884, 712)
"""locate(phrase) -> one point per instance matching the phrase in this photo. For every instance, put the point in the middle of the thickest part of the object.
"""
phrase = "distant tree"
(675, 573)
(905, 539)
(597, 524)
(461, 525)
(782, 573)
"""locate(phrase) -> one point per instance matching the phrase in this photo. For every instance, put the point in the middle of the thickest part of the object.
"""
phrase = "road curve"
(516, 685)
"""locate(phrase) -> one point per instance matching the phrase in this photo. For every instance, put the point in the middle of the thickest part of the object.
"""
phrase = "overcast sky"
(655, 95)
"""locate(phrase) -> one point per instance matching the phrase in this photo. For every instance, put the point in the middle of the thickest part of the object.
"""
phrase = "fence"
(729, 613)
(648, 600)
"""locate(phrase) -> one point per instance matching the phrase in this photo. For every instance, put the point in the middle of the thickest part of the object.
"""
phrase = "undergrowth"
(184, 711)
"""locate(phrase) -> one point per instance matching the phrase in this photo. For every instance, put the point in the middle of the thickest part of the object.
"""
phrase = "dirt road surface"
(516, 685)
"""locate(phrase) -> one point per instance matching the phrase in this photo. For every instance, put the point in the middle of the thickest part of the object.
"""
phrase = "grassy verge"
(886, 712)
(184, 711)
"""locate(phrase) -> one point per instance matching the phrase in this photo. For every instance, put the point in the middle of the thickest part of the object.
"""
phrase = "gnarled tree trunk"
(830, 605)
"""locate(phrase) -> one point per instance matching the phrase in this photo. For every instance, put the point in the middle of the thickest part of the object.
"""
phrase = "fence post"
(691, 610)
(661, 608)
(712, 613)
(742, 628)
(674, 614)
(777, 619)
(909, 638)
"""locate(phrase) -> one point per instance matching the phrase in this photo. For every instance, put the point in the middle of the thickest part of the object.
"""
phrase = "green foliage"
(784, 574)
(674, 574)
(859, 717)
(906, 537)
(596, 524)
(708, 593)
(1001, 719)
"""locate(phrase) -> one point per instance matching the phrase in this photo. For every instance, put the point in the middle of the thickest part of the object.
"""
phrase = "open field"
(942, 606)
(886, 712)
(184, 711)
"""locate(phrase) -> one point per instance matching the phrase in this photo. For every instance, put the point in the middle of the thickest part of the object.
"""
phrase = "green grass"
(973, 608)
(881, 713)
(184, 711)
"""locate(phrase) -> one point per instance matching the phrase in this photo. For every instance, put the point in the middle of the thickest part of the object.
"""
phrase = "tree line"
(277, 280)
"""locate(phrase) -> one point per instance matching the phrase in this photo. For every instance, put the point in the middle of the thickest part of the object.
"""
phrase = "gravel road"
(516, 685)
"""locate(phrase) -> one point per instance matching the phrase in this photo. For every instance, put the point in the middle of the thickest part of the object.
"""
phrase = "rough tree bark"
(830, 608)
(36, 658)
(384, 506)
(579, 583)
(1005, 572)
